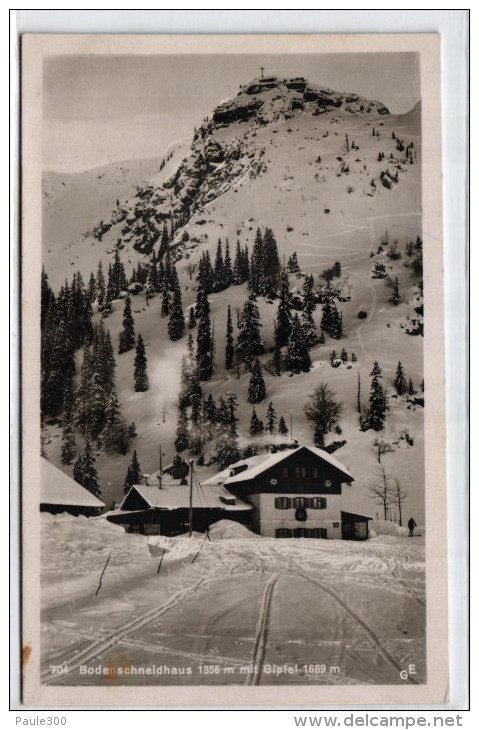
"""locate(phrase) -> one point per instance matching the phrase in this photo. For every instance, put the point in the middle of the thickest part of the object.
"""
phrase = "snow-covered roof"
(177, 496)
(355, 513)
(59, 488)
(256, 465)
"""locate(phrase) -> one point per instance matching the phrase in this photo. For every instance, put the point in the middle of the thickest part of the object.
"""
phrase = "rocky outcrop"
(230, 112)
(214, 166)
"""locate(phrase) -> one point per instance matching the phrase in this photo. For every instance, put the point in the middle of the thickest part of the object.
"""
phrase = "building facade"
(295, 493)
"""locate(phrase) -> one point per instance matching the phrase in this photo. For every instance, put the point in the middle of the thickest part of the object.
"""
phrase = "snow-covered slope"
(300, 160)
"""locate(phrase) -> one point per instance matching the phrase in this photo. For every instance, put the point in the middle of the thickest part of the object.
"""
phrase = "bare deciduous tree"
(397, 497)
(323, 410)
(380, 447)
(380, 489)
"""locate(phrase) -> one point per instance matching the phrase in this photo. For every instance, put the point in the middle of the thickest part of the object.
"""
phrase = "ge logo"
(409, 672)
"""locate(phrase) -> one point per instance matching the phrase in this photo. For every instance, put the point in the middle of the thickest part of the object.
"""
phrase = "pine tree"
(211, 414)
(68, 429)
(127, 335)
(134, 473)
(227, 267)
(410, 387)
(395, 296)
(283, 315)
(204, 345)
(100, 284)
(115, 437)
(205, 275)
(257, 386)
(182, 440)
(377, 404)
(271, 264)
(246, 269)
(165, 302)
(400, 382)
(297, 358)
(250, 345)
(256, 268)
(271, 418)
(227, 451)
(219, 270)
(256, 427)
(140, 373)
(293, 265)
(332, 320)
(84, 471)
(192, 319)
(238, 266)
(107, 307)
(282, 427)
(176, 322)
(229, 349)
(92, 288)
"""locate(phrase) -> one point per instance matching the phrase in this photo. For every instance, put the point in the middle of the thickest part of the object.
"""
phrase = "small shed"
(61, 493)
(354, 526)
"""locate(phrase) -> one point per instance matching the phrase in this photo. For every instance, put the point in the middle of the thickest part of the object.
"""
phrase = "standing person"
(411, 524)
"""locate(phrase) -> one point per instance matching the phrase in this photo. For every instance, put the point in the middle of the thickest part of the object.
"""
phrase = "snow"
(177, 496)
(58, 489)
(382, 527)
(359, 606)
(261, 462)
(229, 530)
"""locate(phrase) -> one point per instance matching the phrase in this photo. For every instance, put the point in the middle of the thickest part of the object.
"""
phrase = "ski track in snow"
(101, 645)
(393, 566)
(372, 636)
(261, 639)
(188, 633)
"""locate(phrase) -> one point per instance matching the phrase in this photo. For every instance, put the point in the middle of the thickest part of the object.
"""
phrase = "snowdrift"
(382, 527)
(75, 551)
(175, 549)
(230, 530)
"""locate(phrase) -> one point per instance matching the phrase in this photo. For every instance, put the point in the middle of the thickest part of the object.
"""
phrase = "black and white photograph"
(237, 286)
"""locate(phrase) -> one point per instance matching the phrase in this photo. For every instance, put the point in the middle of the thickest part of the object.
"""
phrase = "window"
(282, 503)
(283, 532)
(315, 473)
(285, 472)
(297, 472)
(318, 503)
(300, 502)
(303, 472)
(311, 532)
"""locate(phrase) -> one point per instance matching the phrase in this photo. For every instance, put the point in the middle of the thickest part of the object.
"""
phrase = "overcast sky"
(100, 109)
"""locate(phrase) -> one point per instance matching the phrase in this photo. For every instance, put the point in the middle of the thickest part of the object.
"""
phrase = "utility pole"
(262, 71)
(191, 499)
(291, 426)
(160, 473)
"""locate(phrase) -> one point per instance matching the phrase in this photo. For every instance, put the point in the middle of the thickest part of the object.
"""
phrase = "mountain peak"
(269, 98)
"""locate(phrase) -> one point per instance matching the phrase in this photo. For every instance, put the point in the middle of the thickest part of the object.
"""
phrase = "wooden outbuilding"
(61, 493)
